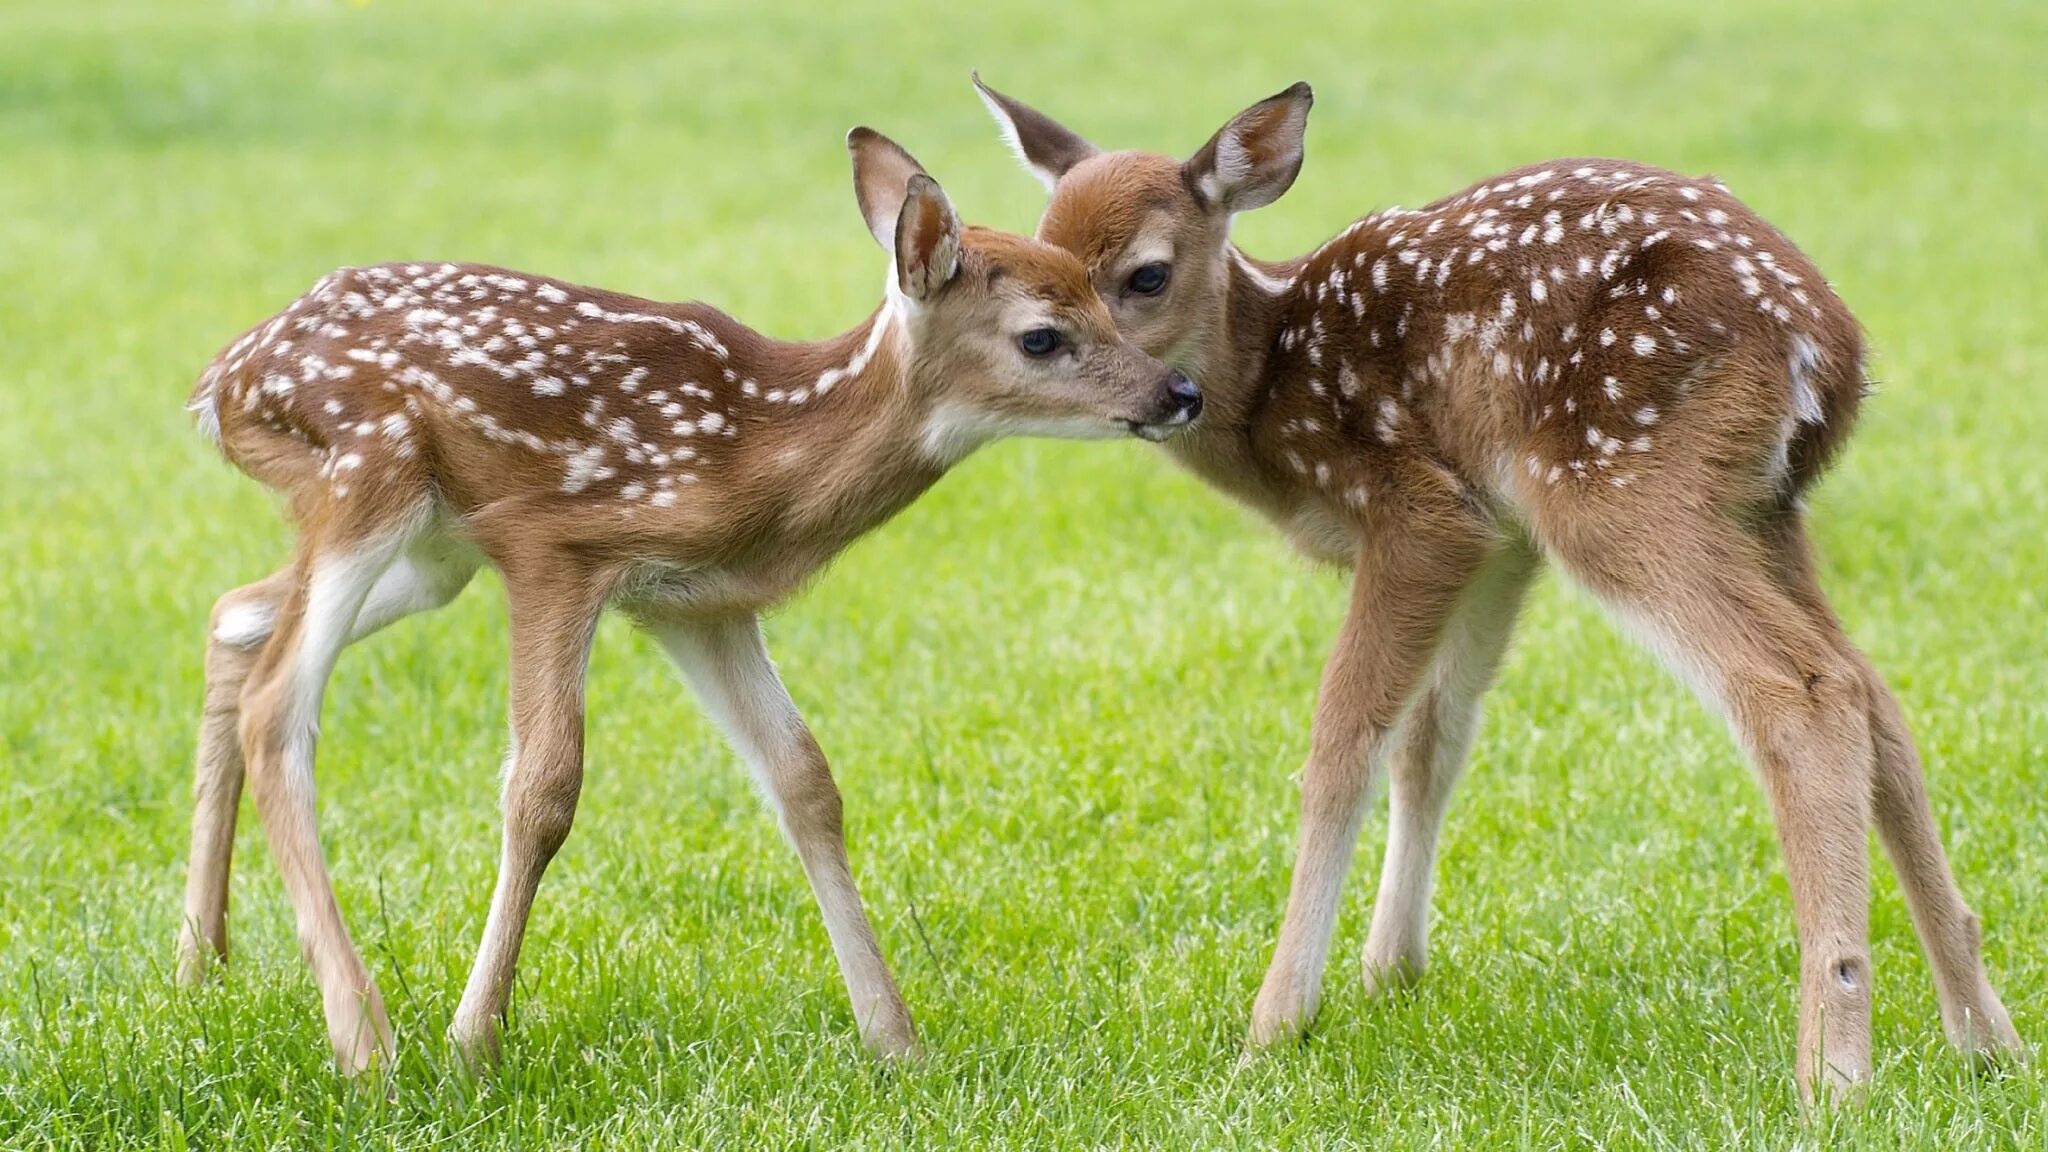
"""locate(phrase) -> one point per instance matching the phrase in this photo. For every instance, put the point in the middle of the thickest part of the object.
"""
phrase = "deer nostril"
(1186, 396)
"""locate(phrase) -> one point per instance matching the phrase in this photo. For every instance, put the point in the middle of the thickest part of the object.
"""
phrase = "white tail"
(1600, 363)
(599, 449)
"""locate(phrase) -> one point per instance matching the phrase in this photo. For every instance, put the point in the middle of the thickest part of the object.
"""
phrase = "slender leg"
(1428, 754)
(553, 620)
(241, 621)
(1971, 1012)
(1404, 589)
(427, 577)
(729, 669)
(1708, 601)
(280, 708)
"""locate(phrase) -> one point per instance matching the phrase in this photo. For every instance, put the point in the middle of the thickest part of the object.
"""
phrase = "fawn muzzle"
(1179, 405)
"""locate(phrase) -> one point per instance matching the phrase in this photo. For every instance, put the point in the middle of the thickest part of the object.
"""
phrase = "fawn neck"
(831, 465)
(1229, 360)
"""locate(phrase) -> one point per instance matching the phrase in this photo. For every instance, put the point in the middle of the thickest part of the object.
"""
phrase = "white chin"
(1155, 432)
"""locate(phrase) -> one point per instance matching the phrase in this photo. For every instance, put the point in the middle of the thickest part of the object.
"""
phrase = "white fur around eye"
(1143, 259)
(1026, 315)
(1152, 245)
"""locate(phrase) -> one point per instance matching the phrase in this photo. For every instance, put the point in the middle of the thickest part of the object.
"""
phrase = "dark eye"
(1039, 342)
(1149, 280)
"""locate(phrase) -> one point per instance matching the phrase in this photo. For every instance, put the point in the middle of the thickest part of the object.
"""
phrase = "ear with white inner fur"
(1255, 157)
(1045, 149)
(881, 181)
(927, 239)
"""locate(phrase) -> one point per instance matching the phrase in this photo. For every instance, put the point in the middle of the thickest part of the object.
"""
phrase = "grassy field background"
(1067, 694)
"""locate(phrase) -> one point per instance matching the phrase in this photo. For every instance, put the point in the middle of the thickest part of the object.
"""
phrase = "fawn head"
(1154, 232)
(1006, 334)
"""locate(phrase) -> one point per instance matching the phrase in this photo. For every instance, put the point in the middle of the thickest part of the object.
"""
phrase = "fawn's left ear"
(1255, 157)
(906, 211)
(881, 181)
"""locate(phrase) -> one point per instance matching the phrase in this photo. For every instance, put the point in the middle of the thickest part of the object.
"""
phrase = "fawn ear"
(927, 239)
(1255, 157)
(881, 179)
(1041, 145)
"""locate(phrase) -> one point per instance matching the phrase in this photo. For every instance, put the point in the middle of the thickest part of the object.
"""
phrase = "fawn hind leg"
(1971, 1013)
(240, 623)
(1705, 598)
(427, 576)
(339, 564)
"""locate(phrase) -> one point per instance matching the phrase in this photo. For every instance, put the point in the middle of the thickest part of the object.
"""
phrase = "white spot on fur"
(1805, 361)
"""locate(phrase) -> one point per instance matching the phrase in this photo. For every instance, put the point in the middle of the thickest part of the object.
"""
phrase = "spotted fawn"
(1604, 365)
(423, 420)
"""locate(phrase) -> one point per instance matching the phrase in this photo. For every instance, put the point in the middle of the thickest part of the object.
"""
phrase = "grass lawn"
(1066, 696)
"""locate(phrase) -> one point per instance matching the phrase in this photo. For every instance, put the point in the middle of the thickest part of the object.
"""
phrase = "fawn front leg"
(1403, 590)
(728, 667)
(1428, 754)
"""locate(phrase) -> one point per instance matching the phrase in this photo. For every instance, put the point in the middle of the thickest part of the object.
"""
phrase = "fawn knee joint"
(1834, 689)
(1332, 789)
(812, 804)
(241, 623)
(542, 816)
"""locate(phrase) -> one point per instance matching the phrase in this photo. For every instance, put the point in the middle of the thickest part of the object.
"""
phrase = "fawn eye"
(1039, 342)
(1149, 280)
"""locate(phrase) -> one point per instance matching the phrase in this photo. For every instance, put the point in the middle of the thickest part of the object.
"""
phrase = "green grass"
(1067, 694)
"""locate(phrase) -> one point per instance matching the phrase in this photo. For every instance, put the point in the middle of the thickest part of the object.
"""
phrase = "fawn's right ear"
(927, 239)
(1045, 148)
(1254, 158)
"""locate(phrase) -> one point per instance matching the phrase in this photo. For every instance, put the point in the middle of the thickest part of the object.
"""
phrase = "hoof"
(889, 1036)
(477, 1043)
(1989, 1038)
(1279, 1017)
(360, 1034)
(1835, 1088)
(1385, 977)
(197, 960)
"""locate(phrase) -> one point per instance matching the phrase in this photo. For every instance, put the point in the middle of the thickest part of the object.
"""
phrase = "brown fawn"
(597, 449)
(1615, 368)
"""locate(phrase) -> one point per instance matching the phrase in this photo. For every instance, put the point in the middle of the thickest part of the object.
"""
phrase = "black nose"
(1186, 397)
